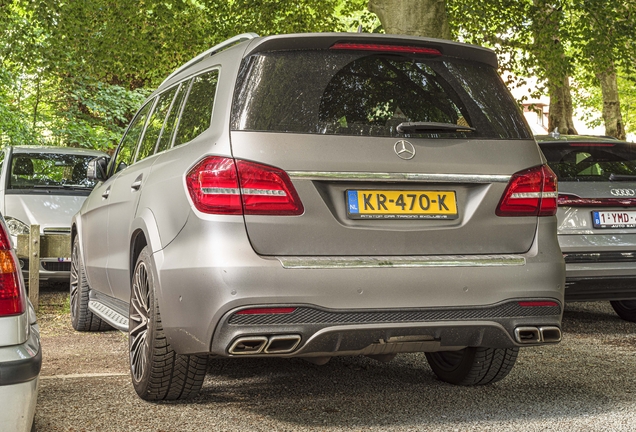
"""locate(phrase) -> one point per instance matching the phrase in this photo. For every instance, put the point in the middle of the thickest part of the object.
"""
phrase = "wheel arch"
(144, 232)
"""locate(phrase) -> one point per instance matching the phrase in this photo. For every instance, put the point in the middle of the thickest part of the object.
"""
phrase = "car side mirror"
(96, 169)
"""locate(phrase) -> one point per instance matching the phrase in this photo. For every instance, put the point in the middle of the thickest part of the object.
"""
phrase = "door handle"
(137, 183)
(106, 193)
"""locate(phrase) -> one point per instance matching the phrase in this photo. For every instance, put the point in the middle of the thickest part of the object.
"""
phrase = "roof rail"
(213, 50)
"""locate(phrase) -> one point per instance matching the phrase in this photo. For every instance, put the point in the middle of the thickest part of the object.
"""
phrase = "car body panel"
(325, 229)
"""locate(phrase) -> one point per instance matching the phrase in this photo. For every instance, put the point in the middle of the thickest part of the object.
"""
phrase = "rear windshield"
(49, 171)
(362, 94)
(591, 162)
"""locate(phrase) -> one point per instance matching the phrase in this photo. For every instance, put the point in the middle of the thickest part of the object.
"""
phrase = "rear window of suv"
(591, 162)
(362, 94)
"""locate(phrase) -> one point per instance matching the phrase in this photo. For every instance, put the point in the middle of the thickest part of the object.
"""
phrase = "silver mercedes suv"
(320, 195)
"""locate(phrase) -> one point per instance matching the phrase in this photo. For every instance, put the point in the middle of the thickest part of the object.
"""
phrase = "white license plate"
(614, 219)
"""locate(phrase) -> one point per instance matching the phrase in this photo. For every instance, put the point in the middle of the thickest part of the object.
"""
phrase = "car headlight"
(16, 226)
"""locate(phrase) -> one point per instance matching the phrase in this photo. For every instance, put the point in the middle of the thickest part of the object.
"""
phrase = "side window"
(155, 123)
(171, 122)
(197, 111)
(128, 144)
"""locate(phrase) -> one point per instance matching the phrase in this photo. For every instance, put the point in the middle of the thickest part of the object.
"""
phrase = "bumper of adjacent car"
(19, 371)
(209, 271)
(599, 267)
(52, 269)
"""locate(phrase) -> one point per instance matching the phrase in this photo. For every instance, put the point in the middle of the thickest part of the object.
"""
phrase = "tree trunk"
(413, 17)
(551, 58)
(561, 111)
(611, 104)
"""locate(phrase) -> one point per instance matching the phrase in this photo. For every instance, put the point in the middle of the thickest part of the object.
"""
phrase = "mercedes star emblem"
(404, 150)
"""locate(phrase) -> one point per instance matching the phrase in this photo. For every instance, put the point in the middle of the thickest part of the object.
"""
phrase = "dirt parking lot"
(585, 383)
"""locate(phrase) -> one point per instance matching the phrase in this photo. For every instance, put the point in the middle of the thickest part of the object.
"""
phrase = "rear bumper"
(314, 332)
(210, 270)
(603, 275)
(19, 379)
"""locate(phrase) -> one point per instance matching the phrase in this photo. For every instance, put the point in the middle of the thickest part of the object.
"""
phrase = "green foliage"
(74, 72)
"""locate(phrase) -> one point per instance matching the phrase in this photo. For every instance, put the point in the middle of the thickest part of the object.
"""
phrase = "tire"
(473, 366)
(82, 318)
(625, 309)
(157, 371)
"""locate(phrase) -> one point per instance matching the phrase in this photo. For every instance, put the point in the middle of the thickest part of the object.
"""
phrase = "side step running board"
(109, 315)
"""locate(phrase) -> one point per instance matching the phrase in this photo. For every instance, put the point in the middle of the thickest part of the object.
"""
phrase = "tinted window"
(352, 93)
(44, 171)
(165, 140)
(590, 162)
(155, 124)
(128, 144)
(197, 111)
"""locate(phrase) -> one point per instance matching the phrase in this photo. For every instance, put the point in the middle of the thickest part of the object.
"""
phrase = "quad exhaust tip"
(533, 335)
(251, 345)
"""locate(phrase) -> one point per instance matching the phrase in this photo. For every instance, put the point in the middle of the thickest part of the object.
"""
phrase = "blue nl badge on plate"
(352, 199)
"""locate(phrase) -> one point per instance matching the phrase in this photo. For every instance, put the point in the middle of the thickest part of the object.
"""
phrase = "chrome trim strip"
(410, 177)
(330, 262)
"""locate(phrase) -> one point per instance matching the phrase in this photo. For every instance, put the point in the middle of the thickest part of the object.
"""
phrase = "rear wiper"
(407, 127)
(622, 177)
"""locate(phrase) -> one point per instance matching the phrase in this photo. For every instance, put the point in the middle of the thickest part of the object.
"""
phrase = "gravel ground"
(585, 383)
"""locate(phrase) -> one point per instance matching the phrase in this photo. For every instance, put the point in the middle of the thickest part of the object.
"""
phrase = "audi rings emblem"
(621, 192)
(404, 150)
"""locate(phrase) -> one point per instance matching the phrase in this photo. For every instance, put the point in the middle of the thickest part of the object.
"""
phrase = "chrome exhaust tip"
(282, 344)
(550, 334)
(527, 335)
(248, 345)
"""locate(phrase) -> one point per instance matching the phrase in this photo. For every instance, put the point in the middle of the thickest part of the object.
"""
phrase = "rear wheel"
(158, 372)
(625, 309)
(82, 318)
(473, 366)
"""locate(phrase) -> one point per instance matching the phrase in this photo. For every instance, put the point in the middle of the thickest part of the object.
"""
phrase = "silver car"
(597, 217)
(20, 354)
(320, 195)
(44, 186)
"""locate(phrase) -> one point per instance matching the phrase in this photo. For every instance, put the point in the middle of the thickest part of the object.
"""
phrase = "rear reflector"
(538, 304)
(12, 301)
(407, 49)
(532, 192)
(576, 201)
(221, 185)
(266, 311)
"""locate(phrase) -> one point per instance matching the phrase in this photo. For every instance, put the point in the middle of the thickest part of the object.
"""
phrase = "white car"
(44, 186)
(20, 354)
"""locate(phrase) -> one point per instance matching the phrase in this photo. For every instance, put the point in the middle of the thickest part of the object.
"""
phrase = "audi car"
(321, 195)
(597, 217)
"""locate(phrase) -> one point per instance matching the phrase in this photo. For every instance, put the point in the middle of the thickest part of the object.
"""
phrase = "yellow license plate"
(401, 204)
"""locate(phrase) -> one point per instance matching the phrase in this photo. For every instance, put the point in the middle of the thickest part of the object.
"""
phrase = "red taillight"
(266, 311)
(213, 186)
(12, 301)
(532, 192)
(538, 304)
(220, 185)
(577, 201)
(406, 49)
